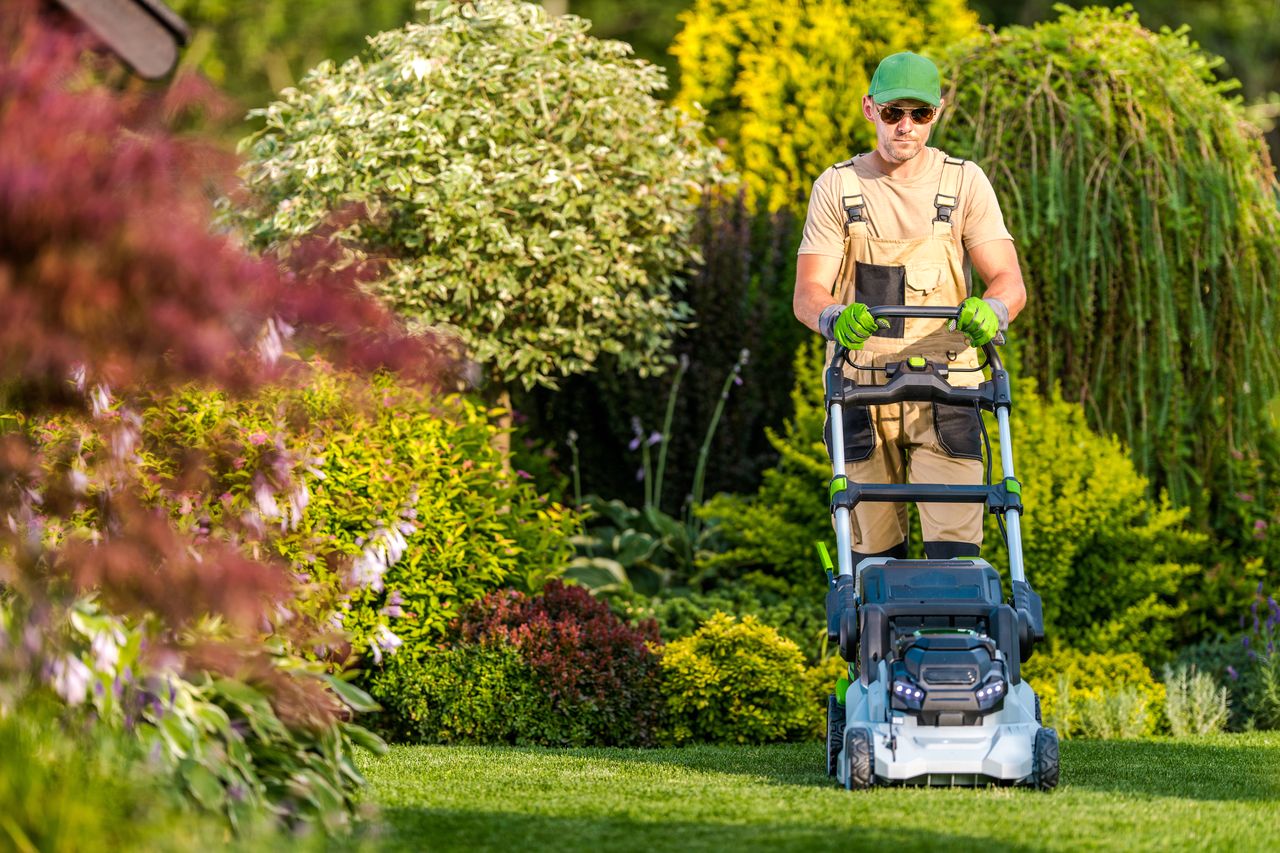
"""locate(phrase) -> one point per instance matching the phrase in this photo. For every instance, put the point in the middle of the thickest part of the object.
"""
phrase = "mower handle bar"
(931, 312)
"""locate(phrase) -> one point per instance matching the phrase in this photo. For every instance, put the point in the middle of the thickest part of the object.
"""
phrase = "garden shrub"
(1246, 663)
(820, 682)
(1145, 209)
(1260, 677)
(1111, 564)
(559, 667)
(403, 487)
(782, 83)
(1106, 693)
(735, 681)
(524, 188)
(470, 693)
(1194, 702)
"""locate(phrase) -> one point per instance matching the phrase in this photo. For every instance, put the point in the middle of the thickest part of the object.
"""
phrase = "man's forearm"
(810, 300)
(814, 277)
(1009, 289)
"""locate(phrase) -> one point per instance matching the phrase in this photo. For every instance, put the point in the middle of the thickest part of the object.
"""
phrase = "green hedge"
(554, 669)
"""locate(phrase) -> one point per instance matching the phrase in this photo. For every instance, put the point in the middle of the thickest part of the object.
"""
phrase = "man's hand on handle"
(977, 321)
(849, 325)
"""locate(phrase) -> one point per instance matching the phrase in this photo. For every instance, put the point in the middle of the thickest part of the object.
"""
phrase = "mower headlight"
(908, 693)
(991, 692)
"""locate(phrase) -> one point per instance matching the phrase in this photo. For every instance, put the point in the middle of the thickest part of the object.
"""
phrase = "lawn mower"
(934, 694)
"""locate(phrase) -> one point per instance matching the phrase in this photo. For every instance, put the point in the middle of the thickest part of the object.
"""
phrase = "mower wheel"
(860, 757)
(835, 732)
(1044, 768)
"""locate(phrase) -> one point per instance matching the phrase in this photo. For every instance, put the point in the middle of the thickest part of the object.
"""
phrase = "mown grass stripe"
(1192, 794)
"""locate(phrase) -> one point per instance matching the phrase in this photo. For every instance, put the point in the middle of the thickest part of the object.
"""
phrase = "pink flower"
(258, 438)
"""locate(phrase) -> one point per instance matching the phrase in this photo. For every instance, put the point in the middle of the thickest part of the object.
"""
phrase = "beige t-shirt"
(899, 209)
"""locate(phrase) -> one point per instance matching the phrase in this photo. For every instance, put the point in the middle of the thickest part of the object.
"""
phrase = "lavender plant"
(1260, 679)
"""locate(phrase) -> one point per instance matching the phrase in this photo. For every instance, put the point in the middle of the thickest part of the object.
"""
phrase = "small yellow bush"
(736, 682)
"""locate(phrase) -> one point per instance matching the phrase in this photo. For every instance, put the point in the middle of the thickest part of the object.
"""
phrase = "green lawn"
(1220, 793)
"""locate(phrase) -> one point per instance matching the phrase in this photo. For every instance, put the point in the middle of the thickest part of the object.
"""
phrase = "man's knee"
(947, 550)
(897, 552)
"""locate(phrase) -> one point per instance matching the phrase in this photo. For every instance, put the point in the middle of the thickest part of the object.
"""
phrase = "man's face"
(902, 141)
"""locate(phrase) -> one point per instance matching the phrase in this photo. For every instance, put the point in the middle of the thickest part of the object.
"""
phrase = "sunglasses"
(919, 115)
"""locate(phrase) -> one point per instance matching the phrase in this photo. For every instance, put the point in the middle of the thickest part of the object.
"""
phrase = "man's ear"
(868, 109)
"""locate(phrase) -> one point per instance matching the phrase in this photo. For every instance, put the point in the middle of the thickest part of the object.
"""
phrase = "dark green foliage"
(556, 669)
(1147, 224)
(647, 25)
(465, 694)
(774, 531)
(642, 549)
(741, 298)
(255, 48)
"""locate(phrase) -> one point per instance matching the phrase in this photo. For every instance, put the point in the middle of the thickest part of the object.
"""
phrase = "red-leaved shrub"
(557, 669)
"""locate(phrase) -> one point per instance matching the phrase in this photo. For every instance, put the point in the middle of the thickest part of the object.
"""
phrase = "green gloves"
(850, 325)
(977, 321)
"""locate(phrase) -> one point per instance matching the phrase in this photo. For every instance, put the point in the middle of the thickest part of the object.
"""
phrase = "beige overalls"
(909, 442)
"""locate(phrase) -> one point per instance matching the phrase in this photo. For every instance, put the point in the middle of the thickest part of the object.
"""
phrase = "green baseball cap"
(906, 75)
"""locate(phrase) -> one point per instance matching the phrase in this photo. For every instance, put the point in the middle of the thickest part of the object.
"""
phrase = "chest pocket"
(924, 284)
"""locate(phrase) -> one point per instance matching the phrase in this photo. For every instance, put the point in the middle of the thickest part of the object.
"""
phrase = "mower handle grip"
(930, 312)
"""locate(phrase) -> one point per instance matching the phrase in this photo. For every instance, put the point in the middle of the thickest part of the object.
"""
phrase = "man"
(904, 225)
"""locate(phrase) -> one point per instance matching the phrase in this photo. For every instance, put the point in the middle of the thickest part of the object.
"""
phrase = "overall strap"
(948, 197)
(855, 229)
(855, 206)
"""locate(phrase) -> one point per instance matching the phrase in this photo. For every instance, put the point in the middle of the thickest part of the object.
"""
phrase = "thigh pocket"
(859, 437)
(958, 430)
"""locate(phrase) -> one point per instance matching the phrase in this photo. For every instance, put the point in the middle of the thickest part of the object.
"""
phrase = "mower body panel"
(998, 750)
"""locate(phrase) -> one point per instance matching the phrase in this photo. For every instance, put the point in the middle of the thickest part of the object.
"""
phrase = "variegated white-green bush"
(522, 183)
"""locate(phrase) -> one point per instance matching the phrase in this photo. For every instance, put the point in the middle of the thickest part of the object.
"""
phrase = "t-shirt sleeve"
(983, 221)
(824, 222)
